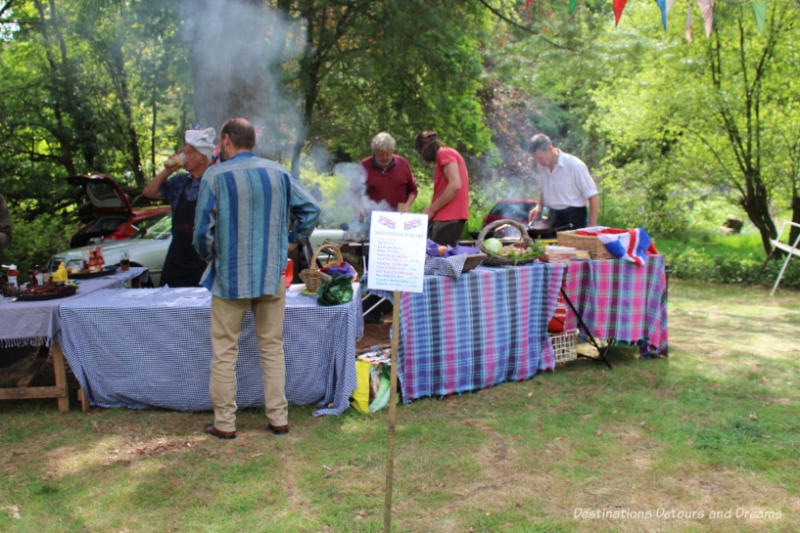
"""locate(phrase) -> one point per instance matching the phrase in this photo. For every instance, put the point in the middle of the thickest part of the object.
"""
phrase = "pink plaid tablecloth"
(621, 301)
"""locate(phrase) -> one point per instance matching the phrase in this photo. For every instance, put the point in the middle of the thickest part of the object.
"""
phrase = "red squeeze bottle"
(288, 272)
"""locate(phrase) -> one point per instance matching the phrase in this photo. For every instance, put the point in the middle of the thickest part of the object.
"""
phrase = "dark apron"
(182, 266)
(569, 218)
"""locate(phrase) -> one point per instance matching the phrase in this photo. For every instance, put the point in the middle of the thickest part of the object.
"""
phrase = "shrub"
(35, 241)
(692, 263)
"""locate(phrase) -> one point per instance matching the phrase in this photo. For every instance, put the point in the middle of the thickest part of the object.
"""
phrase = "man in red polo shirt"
(389, 183)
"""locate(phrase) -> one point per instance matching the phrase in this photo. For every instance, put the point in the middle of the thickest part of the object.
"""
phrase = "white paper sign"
(397, 251)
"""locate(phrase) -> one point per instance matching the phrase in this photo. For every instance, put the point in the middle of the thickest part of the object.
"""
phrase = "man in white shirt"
(567, 187)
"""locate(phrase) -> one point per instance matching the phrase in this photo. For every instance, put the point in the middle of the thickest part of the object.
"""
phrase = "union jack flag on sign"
(388, 222)
(412, 224)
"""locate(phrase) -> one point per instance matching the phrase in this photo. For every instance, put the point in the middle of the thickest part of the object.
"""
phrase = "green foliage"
(35, 241)
(734, 259)
(108, 86)
(712, 115)
(403, 67)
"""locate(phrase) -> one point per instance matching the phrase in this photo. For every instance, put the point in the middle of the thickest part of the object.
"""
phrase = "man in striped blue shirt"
(242, 230)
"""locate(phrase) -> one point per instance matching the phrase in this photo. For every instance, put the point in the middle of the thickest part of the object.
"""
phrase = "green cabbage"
(493, 246)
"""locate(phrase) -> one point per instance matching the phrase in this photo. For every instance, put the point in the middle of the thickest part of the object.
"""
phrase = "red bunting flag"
(619, 5)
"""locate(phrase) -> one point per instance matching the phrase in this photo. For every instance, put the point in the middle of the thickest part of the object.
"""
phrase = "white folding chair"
(790, 249)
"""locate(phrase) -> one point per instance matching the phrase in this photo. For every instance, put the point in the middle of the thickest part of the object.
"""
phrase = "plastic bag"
(343, 269)
(337, 290)
(360, 398)
(384, 393)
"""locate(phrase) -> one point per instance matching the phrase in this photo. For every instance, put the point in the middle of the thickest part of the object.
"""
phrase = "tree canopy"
(110, 86)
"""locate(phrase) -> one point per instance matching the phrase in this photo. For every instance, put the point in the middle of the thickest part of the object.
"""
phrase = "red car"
(115, 218)
(518, 209)
(515, 209)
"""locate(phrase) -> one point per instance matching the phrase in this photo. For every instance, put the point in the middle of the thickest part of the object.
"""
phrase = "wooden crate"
(590, 243)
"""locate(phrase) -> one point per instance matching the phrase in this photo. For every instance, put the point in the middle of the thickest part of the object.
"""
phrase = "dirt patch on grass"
(374, 335)
(114, 450)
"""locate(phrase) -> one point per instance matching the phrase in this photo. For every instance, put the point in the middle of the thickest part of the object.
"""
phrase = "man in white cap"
(182, 266)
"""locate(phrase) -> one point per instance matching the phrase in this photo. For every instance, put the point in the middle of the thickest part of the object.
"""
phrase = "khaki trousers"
(226, 326)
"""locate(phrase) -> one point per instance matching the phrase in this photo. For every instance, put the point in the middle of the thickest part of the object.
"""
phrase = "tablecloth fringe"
(24, 341)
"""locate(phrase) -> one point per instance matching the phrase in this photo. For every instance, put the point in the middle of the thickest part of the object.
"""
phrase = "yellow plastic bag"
(360, 398)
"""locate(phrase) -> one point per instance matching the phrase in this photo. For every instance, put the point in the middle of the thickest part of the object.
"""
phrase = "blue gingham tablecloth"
(35, 323)
(445, 266)
(487, 327)
(152, 348)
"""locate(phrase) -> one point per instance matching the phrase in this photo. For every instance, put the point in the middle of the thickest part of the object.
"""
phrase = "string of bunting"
(759, 8)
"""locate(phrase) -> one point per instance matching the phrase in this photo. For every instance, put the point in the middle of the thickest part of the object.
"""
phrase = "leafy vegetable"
(493, 246)
(518, 252)
(337, 290)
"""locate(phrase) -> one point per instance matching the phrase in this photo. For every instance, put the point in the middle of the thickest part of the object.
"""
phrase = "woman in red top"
(449, 208)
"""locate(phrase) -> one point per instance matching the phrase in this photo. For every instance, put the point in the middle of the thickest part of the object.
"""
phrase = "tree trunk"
(59, 86)
(795, 215)
(756, 205)
(116, 68)
(153, 124)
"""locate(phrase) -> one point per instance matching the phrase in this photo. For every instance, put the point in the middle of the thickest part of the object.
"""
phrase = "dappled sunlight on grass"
(714, 427)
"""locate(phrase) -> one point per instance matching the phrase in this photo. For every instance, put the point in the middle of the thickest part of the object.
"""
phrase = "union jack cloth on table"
(621, 300)
(487, 327)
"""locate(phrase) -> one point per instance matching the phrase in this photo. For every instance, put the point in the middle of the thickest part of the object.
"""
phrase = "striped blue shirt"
(241, 224)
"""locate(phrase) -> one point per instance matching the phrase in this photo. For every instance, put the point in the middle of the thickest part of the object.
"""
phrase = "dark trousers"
(570, 218)
(446, 231)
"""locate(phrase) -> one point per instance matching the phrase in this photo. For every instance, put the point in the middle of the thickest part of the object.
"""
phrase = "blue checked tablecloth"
(36, 323)
(152, 348)
(445, 266)
(487, 327)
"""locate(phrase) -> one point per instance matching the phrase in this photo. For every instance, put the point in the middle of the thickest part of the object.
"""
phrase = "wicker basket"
(312, 276)
(565, 345)
(494, 260)
(590, 243)
(472, 261)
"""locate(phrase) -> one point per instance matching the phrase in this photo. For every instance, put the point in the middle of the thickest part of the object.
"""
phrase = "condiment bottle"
(100, 261)
(38, 275)
(13, 280)
(60, 275)
(92, 261)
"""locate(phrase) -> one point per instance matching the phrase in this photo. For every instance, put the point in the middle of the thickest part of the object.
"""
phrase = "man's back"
(242, 216)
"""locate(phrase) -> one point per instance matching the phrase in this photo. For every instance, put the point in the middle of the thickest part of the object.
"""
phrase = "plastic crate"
(565, 345)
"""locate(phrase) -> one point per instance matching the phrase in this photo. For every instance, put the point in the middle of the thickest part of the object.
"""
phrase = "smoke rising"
(237, 49)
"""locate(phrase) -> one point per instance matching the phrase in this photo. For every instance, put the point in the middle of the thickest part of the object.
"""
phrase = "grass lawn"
(706, 440)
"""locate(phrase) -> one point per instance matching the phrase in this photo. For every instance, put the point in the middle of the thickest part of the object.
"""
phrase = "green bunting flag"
(760, 14)
(572, 4)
